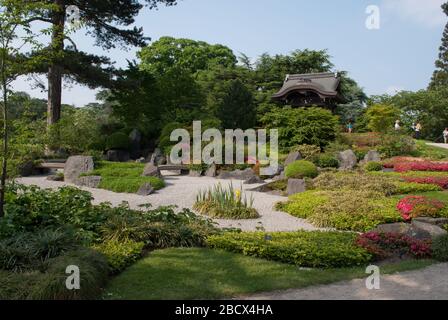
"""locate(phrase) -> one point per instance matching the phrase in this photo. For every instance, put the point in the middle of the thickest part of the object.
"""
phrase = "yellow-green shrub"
(301, 169)
(120, 254)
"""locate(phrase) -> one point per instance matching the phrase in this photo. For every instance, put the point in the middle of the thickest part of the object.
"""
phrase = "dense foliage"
(306, 249)
(301, 169)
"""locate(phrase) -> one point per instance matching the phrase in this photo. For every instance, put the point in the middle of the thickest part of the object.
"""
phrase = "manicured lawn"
(124, 177)
(211, 274)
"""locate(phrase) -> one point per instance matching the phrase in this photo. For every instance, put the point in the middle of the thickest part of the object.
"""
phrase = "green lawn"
(435, 153)
(212, 274)
(123, 176)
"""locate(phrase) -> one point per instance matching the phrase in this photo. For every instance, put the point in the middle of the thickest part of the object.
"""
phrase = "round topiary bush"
(327, 161)
(440, 248)
(117, 140)
(373, 166)
(301, 169)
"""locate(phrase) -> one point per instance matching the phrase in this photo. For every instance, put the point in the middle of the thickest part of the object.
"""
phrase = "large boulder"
(135, 137)
(151, 170)
(145, 189)
(158, 158)
(372, 156)
(211, 171)
(292, 156)
(75, 166)
(416, 229)
(347, 160)
(427, 230)
(237, 174)
(435, 221)
(89, 181)
(116, 155)
(295, 186)
(272, 172)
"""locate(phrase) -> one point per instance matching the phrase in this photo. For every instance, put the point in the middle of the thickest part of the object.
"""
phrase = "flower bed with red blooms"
(386, 245)
(420, 166)
(439, 181)
(418, 206)
(391, 163)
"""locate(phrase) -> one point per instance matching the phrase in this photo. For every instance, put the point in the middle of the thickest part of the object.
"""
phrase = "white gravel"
(182, 190)
(428, 284)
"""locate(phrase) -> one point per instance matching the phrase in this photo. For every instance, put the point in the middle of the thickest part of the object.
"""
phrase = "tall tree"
(440, 76)
(15, 33)
(107, 21)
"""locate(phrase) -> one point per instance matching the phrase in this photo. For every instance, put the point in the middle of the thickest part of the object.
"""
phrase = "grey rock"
(400, 227)
(158, 158)
(271, 172)
(295, 186)
(151, 170)
(254, 180)
(435, 221)
(281, 176)
(75, 166)
(292, 156)
(372, 156)
(145, 189)
(140, 160)
(237, 174)
(195, 173)
(89, 181)
(427, 230)
(116, 155)
(347, 160)
(211, 171)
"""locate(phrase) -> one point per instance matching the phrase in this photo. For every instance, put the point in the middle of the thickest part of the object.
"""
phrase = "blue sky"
(400, 55)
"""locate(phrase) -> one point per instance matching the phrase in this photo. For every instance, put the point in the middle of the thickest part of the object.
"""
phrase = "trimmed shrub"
(396, 145)
(120, 254)
(117, 140)
(420, 166)
(308, 152)
(386, 245)
(327, 161)
(420, 206)
(301, 169)
(373, 166)
(344, 210)
(306, 249)
(440, 248)
(412, 187)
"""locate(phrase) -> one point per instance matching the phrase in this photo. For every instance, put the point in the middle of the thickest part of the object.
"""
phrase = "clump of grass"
(229, 203)
(125, 177)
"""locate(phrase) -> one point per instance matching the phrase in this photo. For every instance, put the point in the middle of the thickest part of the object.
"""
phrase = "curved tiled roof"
(323, 84)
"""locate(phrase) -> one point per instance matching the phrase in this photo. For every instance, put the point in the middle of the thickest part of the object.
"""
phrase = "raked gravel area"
(430, 283)
(182, 190)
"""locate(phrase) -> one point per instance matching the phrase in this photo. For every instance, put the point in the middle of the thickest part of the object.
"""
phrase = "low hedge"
(373, 166)
(301, 169)
(120, 254)
(306, 249)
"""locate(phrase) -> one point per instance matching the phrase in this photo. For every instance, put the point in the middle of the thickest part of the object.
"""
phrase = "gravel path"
(182, 190)
(428, 284)
(440, 145)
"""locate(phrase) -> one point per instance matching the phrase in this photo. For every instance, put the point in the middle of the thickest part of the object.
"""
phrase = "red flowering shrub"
(398, 160)
(421, 166)
(386, 245)
(439, 181)
(418, 206)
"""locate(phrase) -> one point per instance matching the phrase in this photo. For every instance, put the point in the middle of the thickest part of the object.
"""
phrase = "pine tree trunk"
(55, 69)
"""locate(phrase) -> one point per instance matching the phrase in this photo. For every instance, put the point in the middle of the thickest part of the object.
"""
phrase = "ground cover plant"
(227, 275)
(225, 202)
(420, 206)
(123, 177)
(302, 248)
(44, 231)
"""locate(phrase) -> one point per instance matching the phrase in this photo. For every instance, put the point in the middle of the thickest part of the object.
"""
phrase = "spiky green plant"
(221, 202)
